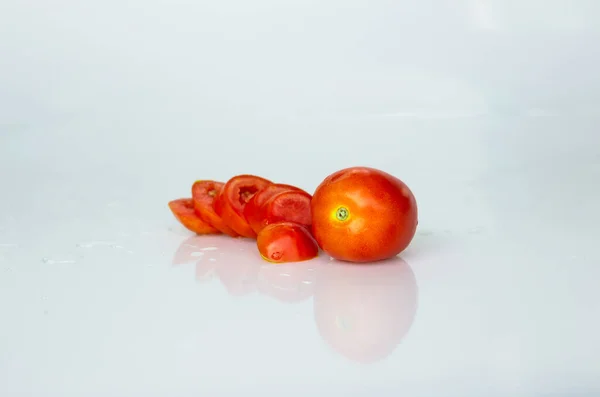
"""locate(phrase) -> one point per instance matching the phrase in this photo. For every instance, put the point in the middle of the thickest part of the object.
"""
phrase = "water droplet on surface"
(197, 253)
(212, 259)
(209, 249)
(57, 261)
(476, 230)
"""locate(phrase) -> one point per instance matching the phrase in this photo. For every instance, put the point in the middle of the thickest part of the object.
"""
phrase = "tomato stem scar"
(342, 214)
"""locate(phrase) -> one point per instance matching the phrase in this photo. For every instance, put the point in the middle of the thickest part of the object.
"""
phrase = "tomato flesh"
(255, 210)
(204, 194)
(289, 206)
(183, 209)
(362, 214)
(235, 195)
(286, 242)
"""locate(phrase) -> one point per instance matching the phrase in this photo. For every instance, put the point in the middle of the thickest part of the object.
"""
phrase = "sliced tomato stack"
(357, 214)
(277, 215)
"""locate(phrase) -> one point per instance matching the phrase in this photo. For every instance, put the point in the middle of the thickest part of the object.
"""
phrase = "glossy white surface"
(487, 109)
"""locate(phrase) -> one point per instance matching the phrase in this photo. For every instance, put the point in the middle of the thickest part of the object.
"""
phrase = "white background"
(487, 109)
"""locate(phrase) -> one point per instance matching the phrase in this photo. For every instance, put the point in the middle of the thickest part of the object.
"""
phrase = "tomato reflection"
(362, 311)
(290, 282)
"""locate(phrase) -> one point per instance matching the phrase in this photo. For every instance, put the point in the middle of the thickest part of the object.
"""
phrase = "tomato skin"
(362, 214)
(183, 209)
(289, 206)
(286, 242)
(233, 198)
(254, 212)
(204, 194)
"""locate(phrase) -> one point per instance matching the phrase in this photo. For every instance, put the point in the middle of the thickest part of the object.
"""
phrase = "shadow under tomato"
(364, 311)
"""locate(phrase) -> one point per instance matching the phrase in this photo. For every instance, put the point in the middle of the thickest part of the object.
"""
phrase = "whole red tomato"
(362, 214)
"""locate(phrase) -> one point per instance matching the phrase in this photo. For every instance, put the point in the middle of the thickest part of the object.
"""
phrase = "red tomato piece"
(183, 209)
(233, 198)
(204, 194)
(362, 214)
(254, 212)
(288, 206)
(286, 242)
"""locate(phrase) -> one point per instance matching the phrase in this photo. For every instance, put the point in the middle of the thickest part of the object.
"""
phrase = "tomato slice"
(204, 194)
(233, 198)
(287, 206)
(255, 210)
(286, 242)
(183, 209)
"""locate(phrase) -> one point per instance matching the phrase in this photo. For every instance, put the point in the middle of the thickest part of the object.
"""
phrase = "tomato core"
(246, 194)
(342, 214)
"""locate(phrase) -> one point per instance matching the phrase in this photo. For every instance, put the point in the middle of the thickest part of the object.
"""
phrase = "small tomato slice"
(285, 242)
(183, 209)
(204, 194)
(289, 206)
(233, 198)
(255, 210)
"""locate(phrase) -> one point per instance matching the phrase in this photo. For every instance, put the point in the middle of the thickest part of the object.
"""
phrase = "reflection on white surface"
(361, 311)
